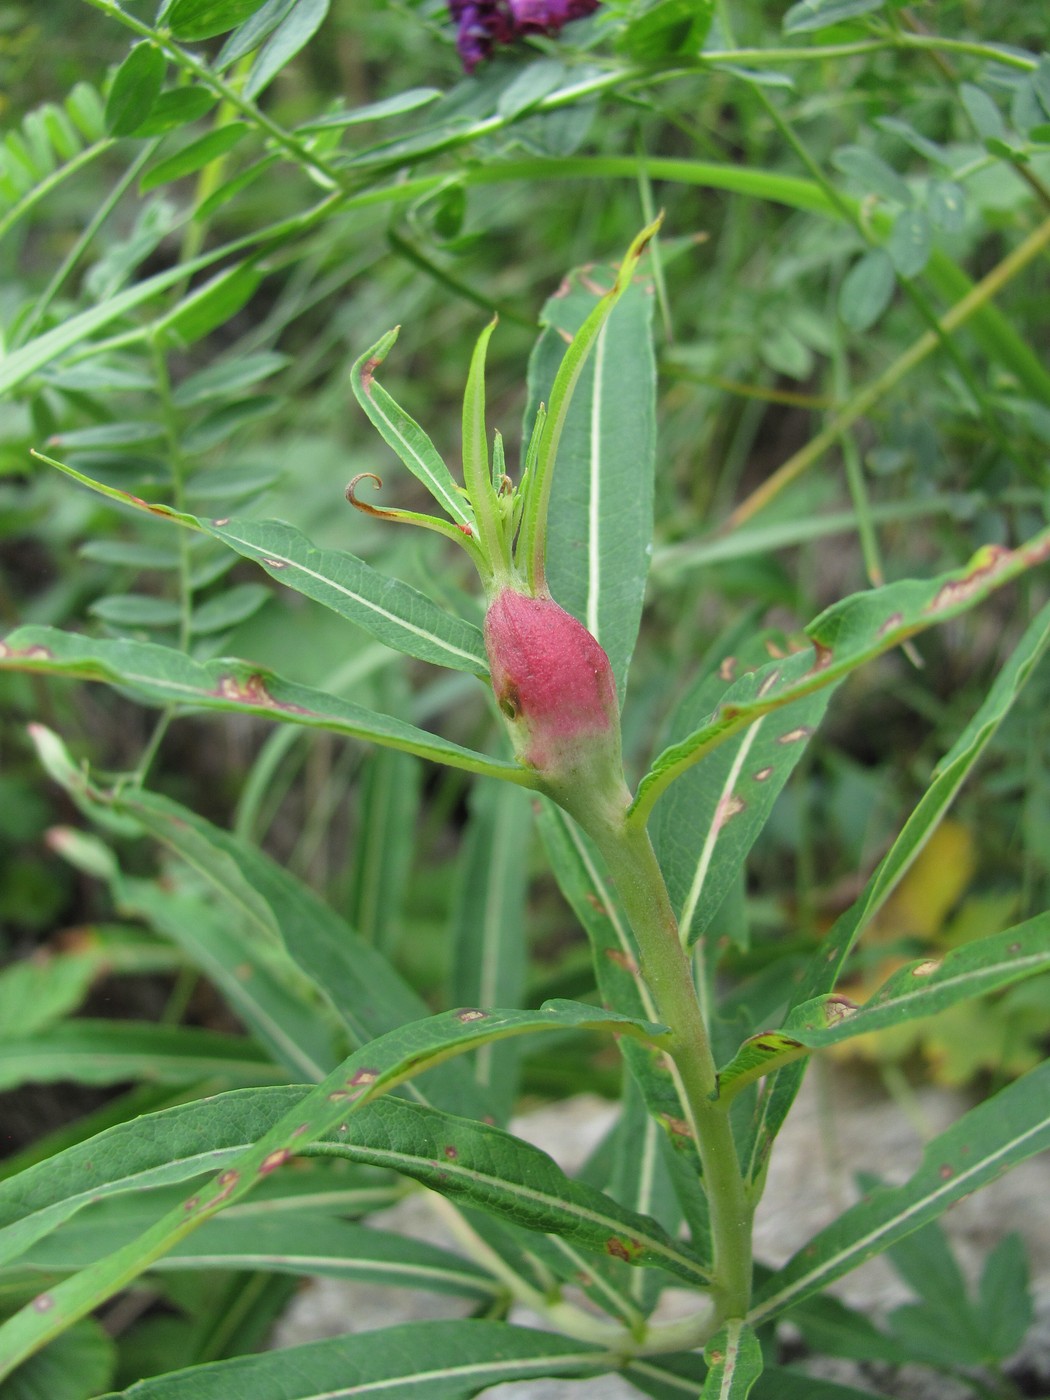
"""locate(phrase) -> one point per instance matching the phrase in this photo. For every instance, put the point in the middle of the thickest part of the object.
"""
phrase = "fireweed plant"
(243, 1161)
(694, 1144)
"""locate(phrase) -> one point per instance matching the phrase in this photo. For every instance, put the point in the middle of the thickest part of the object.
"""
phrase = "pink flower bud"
(555, 686)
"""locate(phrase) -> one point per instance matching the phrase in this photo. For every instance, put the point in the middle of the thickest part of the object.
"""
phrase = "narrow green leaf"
(210, 306)
(844, 637)
(401, 102)
(714, 813)
(486, 1168)
(414, 1361)
(734, 1358)
(291, 35)
(229, 609)
(195, 156)
(404, 434)
(135, 1156)
(76, 1366)
(370, 1072)
(392, 611)
(985, 1142)
(531, 548)
(476, 475)
(955, 767)
(225, 378)
(253, 31)
(162, 676)
(867, 290)
(489, 937)
(136, 610)
(920, 988)
(598, 545)
(136, 87)
(130, 554)
(251, 975)
(37, 992)
(303, 1242)
(84, 1051)
(192, 20)
(384, 849)
(808, 15)
(175, 108)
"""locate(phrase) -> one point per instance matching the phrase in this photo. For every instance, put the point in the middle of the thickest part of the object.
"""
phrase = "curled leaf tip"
(352, 497)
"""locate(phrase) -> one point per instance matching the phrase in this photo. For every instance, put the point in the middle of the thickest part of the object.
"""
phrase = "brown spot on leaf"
(43, 1302)
(470, 1013)
(894, 620)
(273, 563)
(716, 1357)
(191, 1205)
(988, 562)
(794, 736)
(838, 1008)
(822, 657)
(274, 1160)
(763, 775)
(727, 668)
(224, 521)
(450, 1152)
(926, 969)
(728, 807)
(776, 652)
(622, 1249)
(368, 370)
(27, 653)
(251, 690)
(946, 1172)
(768, 684)
(337, 1095)
(597, 905)
(677, 1127)
(302, 1128)
(363, 1076)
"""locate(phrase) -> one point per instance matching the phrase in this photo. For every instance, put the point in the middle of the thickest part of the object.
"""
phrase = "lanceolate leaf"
(844, 637)
(956, 766)
(116, 1052)
(487, 1168)
(531, 550)
(735, 1361)
(489, 935)
(370, 1072)
(286, 1015)
(470, 1162)
(399, 615)
(299, 1242)
(415, 1361)
(405, 435)
(998, 1134)
(163, 676)
(713, 814)
(922, 988)
(599, 530)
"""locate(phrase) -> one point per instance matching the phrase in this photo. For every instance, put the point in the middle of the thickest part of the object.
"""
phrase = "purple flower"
(482, 24)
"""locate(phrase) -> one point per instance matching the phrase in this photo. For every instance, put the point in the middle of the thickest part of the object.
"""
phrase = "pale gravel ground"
(810, 1180)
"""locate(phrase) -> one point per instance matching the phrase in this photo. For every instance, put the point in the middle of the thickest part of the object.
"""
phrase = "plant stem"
(666, 968)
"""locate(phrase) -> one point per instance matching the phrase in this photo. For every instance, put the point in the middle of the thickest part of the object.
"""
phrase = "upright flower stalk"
(557, 697)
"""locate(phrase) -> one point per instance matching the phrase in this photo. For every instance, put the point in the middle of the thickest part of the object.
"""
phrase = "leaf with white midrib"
(995, 1135)
(413, 1361)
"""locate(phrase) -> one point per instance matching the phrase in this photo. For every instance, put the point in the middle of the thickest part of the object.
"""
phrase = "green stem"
(667, 971)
